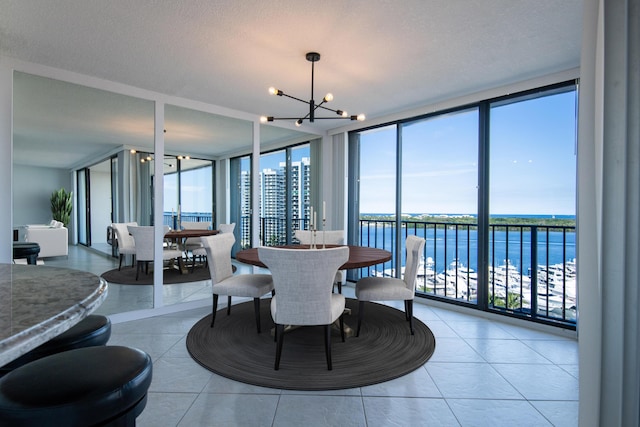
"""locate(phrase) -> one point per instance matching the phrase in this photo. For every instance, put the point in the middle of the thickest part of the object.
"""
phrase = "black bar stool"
(28, 250)
(92, 386)
(93, 330)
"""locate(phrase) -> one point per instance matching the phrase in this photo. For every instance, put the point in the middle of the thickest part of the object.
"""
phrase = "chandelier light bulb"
(328, 97)
(361, 117)
(299, 122)
(132, 151)
(273, 90)
(263, 119)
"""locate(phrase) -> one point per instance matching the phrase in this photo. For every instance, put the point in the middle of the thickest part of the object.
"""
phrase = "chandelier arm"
(293, 97)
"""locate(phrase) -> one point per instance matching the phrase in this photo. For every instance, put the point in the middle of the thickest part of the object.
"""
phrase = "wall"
(32, 188)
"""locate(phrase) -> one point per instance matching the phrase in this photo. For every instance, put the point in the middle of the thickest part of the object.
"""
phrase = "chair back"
(189, 225)
(331, 237)
(218, 249)
(125, 240)
(303, 281)
(227, 228)
(143, 240)
(414, 246)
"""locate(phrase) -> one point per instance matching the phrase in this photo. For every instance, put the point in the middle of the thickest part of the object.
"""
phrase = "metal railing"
(448, 269)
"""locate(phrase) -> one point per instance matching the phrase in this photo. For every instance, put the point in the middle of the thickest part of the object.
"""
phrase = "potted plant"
(61, 204)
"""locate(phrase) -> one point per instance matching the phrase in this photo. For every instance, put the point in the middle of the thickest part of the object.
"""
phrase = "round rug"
(384, 350)
(170, 276)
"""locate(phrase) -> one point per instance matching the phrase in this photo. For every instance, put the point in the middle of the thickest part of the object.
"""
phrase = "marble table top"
(39, 302)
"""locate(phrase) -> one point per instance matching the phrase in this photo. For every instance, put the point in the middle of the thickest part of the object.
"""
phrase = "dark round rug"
(384, 350)
(171, 276)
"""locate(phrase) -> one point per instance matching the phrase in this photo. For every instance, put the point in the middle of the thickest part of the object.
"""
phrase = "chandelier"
(312, 57)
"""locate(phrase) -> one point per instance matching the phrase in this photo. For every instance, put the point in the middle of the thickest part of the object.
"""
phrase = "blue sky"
(532, 155)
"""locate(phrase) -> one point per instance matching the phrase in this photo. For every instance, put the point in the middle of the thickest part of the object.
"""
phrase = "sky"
(532, 162)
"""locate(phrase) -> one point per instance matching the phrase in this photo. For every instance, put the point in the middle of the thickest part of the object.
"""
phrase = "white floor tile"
(540, 382)
(320, 411)
(470, 380)
(496, 413)
(397, 411)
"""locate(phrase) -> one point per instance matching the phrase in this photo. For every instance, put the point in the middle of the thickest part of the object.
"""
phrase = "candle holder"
(313, 238)
(324, 226)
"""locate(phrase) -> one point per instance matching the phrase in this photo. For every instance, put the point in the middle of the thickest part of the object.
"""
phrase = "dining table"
(40, 302)
(359, 256)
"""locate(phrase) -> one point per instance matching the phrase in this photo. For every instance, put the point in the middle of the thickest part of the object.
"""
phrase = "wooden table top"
(359, 256)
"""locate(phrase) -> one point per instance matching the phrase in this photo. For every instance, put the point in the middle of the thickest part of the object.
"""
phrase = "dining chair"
(143, 237)
(224, 282)
(193, 244)
(391, 288)
(126, 245)
(331, 237)
(303, 283)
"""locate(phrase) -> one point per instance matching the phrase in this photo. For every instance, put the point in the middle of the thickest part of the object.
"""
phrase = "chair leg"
(280, 337)
(406, 310)
(256, 308)
(229, 305)
(360, 313)
(327, 345)
(120, 264)
(342, 327)
(138, 267)
(214, 309)
(409, 304)
(339, 287)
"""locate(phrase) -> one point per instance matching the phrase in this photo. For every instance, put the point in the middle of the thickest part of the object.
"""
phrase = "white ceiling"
(378, 57)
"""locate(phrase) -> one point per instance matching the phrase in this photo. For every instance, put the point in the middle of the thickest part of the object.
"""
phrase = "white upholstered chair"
(143, 238)
(227, 228)
(303, 283)
(391, 288)
(331, 237)
(126, 245)
(201, 252)
(193, 244)
(224, 282)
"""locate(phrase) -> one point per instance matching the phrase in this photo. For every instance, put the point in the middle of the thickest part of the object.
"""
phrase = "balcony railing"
(449, 267)
(519, 255)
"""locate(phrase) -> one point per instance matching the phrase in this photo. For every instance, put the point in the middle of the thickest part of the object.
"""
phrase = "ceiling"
(377, 58)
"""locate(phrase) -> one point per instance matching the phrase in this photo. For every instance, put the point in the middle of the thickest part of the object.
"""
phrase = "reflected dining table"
(180, 236)
(39, 302)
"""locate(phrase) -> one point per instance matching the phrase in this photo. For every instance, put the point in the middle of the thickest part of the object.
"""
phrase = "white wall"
(32, 188)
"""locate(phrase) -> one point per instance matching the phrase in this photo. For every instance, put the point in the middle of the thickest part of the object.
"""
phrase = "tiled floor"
(483, 372)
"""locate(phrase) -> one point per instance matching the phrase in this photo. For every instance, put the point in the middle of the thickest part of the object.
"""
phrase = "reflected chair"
(224, 282)
(391, 288)
(331, 237)
(192, 244)
(201, 252)
(303, 283)
(126, 245)
(143, 238)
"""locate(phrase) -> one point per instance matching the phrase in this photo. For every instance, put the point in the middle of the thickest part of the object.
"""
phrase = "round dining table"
(39, 302)
(359, 256)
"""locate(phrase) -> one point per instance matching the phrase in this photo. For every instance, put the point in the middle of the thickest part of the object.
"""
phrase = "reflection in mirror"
(78, 138)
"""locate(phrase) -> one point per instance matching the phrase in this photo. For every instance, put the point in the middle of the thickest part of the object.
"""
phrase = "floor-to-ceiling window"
(284, 193)
(285, 187)
(491, 187)
(532, 200)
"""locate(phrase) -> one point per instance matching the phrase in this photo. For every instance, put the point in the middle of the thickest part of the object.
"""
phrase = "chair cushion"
(80, 387)
(382, 289)
(245, 285)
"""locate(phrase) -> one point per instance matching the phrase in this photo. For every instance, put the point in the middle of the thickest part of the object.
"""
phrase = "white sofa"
(53, 238)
